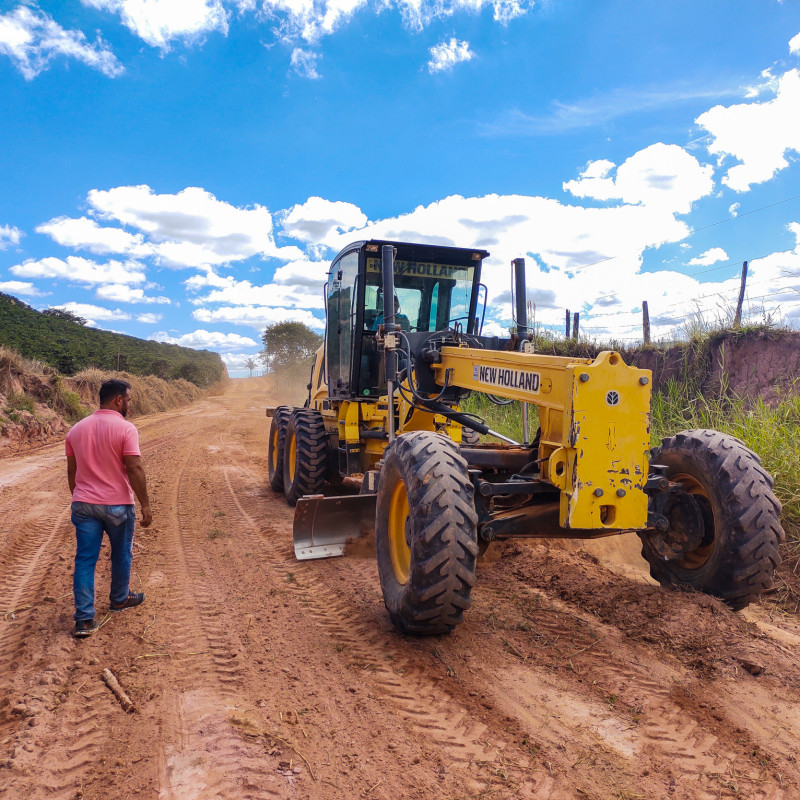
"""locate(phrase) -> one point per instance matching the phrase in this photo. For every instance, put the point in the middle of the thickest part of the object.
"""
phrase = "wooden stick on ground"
(118, 691)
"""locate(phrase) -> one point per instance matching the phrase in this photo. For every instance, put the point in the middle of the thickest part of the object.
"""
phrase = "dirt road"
(255, 676)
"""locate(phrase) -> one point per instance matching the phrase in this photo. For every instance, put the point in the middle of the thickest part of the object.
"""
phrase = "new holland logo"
(508, 378)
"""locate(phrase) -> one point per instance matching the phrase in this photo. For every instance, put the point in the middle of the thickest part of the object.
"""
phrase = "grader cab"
(403, 348)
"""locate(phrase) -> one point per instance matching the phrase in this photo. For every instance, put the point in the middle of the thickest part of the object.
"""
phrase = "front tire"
(277, 438)
(738, 553)
(426, 533)
(305, 461)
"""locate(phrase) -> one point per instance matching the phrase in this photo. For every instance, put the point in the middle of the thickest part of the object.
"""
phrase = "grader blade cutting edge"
(324, 525)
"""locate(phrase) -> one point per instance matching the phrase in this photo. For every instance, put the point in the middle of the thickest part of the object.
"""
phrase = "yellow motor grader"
(403, 348)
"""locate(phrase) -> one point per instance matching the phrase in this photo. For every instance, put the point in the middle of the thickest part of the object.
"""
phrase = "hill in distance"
(62, 340)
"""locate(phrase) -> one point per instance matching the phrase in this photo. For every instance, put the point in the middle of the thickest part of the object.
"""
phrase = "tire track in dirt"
(432, 712)
(664, 728)
(429, 710)
(24, 565)
(90, 708)
(204, 755)
(661, 705)
(200, 709)
(539, 694)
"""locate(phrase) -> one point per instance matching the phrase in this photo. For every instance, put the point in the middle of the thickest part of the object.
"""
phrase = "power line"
(693, 231)
(746, 214)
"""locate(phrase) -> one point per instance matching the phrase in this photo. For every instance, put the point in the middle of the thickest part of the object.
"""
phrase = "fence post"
(645, 323)
(737, 320)
(566, 335)
(575, 321)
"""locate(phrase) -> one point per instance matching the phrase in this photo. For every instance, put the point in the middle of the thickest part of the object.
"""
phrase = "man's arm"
(72, 468)
(135, 470)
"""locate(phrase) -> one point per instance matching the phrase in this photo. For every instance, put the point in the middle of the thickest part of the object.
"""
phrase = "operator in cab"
(401, 320)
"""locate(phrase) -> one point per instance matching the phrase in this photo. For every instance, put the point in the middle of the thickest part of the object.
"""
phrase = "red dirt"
(256, 676)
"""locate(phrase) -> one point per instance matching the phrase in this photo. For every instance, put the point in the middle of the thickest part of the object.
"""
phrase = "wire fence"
(773, 301)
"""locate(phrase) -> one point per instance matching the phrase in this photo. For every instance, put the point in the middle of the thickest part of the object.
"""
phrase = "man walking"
(104, 470)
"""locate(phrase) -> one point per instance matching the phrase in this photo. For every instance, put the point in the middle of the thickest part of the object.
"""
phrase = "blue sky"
(184, 171)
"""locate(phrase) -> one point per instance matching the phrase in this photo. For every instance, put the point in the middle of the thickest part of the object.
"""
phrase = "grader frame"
(384, 403)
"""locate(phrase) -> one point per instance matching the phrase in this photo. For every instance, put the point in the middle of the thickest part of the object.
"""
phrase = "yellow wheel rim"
(398, 519)
(696, 558)
(274, 456)
(292, 456)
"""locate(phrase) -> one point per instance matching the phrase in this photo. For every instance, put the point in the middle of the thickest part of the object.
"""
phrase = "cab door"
(342, 307)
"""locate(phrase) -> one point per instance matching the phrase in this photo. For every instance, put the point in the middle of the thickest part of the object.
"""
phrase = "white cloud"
(257, 317)
(419, 13)
(600, 109)
(9, 235)
(237, 361)
(86, 234)
(81, 270)
(203, 279)
(312, 19)
(304, 63)
(662, 175)
(93, 313)
(759, 135)
(20, 287)
(191, 228)
(492, 328)
(32, 39)
(445, 55)
(712, 256)
(148, 318)
(120, 293)
(733, 209)
(205, 340)
(605, 245)
(296, 285)
(316, 220)
(794, 45)
(158, 22)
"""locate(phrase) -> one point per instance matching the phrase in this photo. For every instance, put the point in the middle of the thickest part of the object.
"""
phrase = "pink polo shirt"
(98, 444)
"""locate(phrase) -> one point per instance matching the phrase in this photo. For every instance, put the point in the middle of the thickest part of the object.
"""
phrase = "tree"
(62, 313)
(287, 344)
(250, 364)
(161, 368)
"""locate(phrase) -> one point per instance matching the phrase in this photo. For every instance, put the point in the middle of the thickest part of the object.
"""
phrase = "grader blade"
(323, 526)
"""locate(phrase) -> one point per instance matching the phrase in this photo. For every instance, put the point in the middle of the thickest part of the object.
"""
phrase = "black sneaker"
(133, 599)
(84, 628)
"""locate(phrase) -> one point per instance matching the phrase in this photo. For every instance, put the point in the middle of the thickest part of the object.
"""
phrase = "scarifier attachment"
(324, 525)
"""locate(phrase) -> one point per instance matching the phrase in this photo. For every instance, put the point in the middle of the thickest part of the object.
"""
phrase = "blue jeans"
(90, 520)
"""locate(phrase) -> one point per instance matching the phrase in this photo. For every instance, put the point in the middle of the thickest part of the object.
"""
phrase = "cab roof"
(411, 251)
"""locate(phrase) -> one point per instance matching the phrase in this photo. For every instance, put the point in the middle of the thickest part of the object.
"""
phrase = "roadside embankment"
(38, 405)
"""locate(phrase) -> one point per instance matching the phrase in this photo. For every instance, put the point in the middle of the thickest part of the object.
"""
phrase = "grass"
(505, 419)
(772, 431)
(21, 402)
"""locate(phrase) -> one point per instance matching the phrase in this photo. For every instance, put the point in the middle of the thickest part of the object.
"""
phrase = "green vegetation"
(770, 430)
(505, 419)
(21, 402)
(288, 343)
(288, 353)
(773, 432)
(61, 340)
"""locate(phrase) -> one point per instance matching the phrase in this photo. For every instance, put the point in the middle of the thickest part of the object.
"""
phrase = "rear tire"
(470, 437)
(305, 460)
(277, 438)
(426, 533)
(738, 554)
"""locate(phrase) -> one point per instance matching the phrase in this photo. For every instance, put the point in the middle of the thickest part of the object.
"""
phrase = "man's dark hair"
(111, 389)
